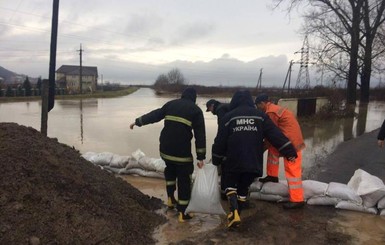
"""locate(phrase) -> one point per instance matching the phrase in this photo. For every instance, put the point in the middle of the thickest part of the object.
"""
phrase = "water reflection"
(101, 125)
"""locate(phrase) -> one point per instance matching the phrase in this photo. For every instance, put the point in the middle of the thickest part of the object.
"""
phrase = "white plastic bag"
(205, 194)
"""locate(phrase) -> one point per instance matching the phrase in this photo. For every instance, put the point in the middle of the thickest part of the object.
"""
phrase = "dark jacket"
(381, 134)
(240, 137)
(220, 109)
(181, 117)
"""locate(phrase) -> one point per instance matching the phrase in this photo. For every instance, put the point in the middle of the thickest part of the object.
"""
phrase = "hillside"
(7, 75)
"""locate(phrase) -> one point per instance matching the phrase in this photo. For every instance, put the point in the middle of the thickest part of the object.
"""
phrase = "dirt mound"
(49, 194)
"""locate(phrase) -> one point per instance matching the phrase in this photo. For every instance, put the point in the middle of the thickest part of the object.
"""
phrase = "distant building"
(68, 76)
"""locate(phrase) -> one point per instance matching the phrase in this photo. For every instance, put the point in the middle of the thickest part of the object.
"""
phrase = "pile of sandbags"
(137, 164)
(364, 192)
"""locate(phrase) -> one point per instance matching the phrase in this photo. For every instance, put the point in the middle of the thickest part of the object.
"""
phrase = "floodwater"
(102, 125)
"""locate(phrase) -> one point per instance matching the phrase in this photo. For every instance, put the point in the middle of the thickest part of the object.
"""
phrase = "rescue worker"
(219, 109)
(288, 124)
(381, 135)
(182, 119)
(238, 146)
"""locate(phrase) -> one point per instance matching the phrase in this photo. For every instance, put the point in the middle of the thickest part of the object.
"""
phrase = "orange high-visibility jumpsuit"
(289, 126)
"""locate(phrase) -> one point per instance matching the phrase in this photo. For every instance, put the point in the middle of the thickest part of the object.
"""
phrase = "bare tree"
(337, 23)
(373, 18)
(161, 82)
(175, 77)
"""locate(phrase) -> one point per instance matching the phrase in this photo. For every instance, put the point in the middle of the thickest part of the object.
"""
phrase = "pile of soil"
(49, 194)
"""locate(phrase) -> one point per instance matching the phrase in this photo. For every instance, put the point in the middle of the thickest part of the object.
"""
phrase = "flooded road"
(102, 125)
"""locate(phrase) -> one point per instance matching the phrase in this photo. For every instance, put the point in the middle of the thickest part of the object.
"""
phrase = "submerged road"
(361, 152)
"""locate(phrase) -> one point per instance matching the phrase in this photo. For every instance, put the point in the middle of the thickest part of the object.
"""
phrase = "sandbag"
(152, 164)
(347, 205)
(137, 154)
(381, 203)
(255, 186)
(369, 187)
(205, 194)
(141, 172)
(313, 188)
(322, 200)
(343, 192)
(118, 161)
(103, 158)
(280, 188)
(268, 197)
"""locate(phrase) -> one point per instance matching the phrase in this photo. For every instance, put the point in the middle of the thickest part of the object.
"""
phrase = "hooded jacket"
(181, 117)
(239, 142)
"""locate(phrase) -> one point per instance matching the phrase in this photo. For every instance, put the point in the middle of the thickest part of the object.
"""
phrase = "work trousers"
(179, 175)
(240, 182)
(293, 173)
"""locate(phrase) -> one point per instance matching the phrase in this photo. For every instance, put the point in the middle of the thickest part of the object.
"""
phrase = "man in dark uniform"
(238, 146)
(219, 109)
(182, 117)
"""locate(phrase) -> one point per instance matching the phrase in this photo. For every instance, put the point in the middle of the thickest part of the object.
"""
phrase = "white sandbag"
(268, 197)
(141, 172)
(152, 164)
(347, 205)
(364, 183)
(118, 161)
(137, 154)
(88, 155)
(255, 186)
(103, 158)
(279, 188)
(371, 199)
(313, 188)
(111, 169)
(322, 200)
(381, 203)
(382, 212)
(132, 163)
(369, 187)
(343, 192)
(205, 194)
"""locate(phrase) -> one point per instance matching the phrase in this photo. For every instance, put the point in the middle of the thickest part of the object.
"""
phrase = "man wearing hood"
(238, 146)
(182, 117)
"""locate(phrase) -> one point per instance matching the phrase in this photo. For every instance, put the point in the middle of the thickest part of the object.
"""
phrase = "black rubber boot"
(233, 219)
(269, 179)
(293, 205)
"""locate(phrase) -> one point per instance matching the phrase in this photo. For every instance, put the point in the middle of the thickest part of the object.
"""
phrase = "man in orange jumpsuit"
(287, 122)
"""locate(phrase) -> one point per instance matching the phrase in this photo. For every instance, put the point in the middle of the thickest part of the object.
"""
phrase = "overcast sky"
(212, 42)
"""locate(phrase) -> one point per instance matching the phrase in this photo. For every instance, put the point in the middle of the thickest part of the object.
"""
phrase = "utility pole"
(48, 96)
(80, 70)
(288, 78)
(259, 83)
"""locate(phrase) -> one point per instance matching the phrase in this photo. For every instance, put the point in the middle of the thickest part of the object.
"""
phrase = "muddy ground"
(50, 195)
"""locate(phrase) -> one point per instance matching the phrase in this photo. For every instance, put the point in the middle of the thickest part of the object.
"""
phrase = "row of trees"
(350, 39)
(24, 89)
